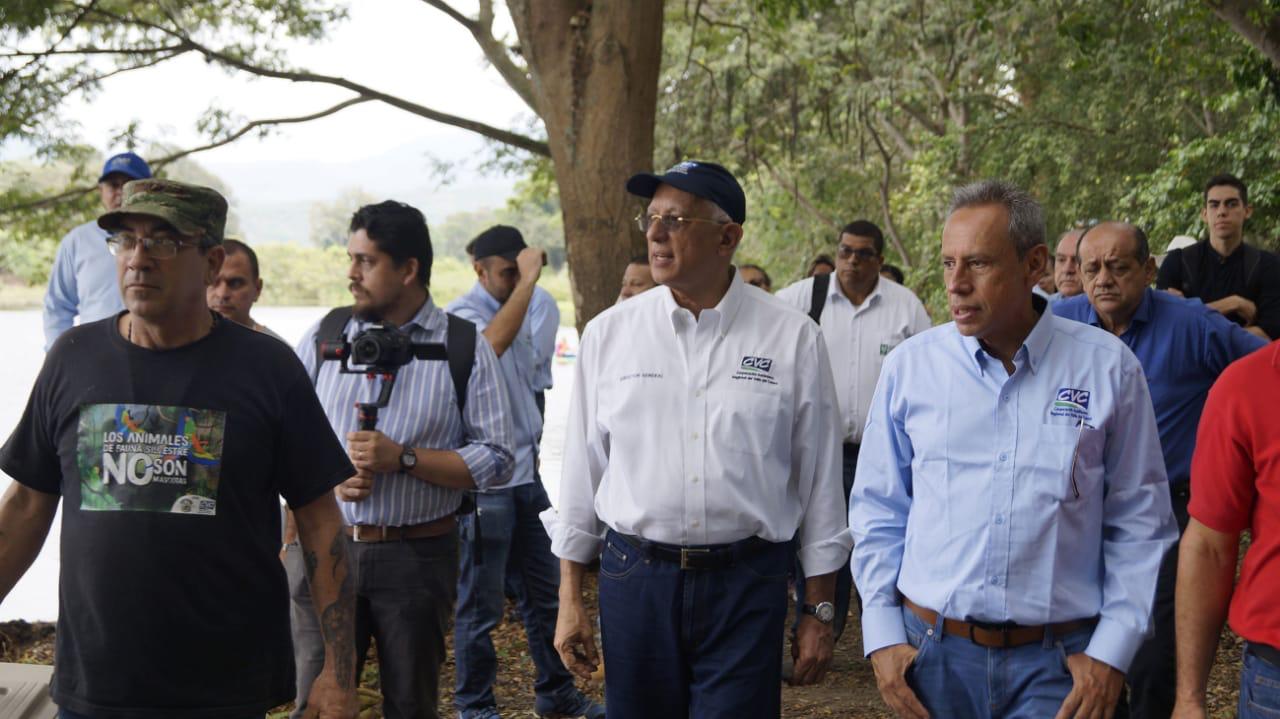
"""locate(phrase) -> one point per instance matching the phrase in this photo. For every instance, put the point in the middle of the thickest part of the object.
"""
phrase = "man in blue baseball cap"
(83, 279)
(699, 444)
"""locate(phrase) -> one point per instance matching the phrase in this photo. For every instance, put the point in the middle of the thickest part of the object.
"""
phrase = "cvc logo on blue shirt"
(1071, 402)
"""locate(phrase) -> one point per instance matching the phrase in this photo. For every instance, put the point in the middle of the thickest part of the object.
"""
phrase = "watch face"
(825, 612)
(408, 459)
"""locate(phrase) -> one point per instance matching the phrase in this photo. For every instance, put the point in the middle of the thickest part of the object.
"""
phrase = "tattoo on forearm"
(337, 621)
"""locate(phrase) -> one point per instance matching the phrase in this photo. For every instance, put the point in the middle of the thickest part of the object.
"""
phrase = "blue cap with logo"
(702, 179)
(126, 163)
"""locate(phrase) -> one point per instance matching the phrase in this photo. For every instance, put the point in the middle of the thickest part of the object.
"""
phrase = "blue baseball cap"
(126, 163)
(702, 179)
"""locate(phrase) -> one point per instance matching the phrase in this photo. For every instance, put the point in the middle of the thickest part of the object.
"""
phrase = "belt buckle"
(355, 533)
(684, 556)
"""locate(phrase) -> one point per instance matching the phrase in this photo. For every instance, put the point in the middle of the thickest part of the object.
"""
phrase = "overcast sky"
(401, 46)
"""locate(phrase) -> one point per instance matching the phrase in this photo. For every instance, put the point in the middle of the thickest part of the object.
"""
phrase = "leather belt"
(1000, 636)
(365, 533)
(717, 556)
(1265, 652)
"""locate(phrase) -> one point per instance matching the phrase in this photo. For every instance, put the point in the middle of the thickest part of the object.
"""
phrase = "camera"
(379, 350)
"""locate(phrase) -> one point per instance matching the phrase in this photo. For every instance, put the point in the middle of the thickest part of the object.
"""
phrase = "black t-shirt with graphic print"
(172, 599)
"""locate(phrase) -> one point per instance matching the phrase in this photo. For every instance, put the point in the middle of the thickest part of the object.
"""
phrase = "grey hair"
(1026, 217)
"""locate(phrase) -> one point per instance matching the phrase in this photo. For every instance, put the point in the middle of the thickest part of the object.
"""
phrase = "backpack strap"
(460, 345)
(331, 328)
(821, 283)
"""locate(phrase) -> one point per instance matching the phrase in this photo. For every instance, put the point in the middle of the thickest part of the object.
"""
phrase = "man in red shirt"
(1235, 485)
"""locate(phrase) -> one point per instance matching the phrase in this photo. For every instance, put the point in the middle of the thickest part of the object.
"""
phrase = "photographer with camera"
(510, 548)
(443, 429)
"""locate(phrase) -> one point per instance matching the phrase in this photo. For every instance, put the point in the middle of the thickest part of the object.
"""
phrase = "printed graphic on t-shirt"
(137, 457)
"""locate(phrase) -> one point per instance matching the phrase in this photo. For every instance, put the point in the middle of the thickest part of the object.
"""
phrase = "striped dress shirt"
(422, 413)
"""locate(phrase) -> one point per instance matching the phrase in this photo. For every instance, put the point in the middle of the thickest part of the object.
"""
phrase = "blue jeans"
(844, 576)
(953, 677)
(692, 643)
(515, 552)
(1259, 688)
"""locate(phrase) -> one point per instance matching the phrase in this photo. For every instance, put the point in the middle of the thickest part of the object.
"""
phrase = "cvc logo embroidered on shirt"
(1071, 402)
(755, 369)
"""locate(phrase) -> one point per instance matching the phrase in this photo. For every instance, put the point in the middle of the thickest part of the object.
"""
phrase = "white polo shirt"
(702, 431)
(859, 337)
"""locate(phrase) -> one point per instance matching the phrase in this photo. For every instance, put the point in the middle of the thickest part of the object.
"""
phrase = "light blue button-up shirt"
(82, 282)
(543, 321)
(422, 412)
(518, 367)
(1036, 497)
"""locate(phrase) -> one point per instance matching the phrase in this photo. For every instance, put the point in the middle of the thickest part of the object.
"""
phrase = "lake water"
(35, 597)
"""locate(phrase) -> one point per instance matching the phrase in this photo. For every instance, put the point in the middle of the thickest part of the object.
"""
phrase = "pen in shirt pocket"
(1075, 457)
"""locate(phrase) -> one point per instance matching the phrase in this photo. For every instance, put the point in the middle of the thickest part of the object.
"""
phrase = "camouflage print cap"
(191, 209)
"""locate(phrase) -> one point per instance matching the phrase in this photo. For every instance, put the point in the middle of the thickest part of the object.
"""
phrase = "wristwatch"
(824, 612)
(408, 459)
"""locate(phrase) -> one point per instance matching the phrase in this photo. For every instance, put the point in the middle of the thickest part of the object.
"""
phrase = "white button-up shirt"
(707, 430)
(859, 337)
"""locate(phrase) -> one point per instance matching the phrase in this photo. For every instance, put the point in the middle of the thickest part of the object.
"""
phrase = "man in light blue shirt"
(1183, 346)
(83, 278)
(504, 543)
(1011, 509)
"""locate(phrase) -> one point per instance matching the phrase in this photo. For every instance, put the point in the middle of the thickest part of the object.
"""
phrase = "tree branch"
(1254, 21)
(495, 51)
(100, 51)
(160, 162)
(507, 137)
(884, 186)
(799, 196)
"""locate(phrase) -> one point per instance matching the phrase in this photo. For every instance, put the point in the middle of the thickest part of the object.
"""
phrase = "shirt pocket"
(1067, 462)
(745, 421)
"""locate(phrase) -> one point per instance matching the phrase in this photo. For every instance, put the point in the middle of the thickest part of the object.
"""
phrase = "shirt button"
(999, 519)
(695, 479)
(697, 393)
(1004, 398)
(694, 523)
(995, 581)
(694, 435)
(1003, 457)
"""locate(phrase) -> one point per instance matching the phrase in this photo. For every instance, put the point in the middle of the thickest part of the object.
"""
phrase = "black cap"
(702, 179)
(501, 240)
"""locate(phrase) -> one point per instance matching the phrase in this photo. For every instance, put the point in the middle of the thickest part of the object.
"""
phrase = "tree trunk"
(594, 67)
(1254, 21)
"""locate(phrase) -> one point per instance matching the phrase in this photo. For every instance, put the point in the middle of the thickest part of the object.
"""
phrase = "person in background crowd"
(238, 286)
(893, 272)
(1011, 507)
(1226, 273)
(436, 439)
(821, 265)
(1183, 347)
(1066, 266)
(863, 317)
(82, 281)
(169, 458)
(1047, 289)
(504, 543)
(1235, 485)
(636, 278)
(697, 450)
(755, 276)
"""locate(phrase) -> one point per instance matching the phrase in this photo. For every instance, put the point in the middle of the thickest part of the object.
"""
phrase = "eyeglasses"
(671, 223)
(160, 246)
(861, 253)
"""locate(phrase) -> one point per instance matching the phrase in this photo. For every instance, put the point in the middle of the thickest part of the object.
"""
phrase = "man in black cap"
(699, 445)
(509, 546)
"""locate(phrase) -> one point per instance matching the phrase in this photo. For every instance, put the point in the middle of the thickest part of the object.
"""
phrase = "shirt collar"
(1143, 314)
(1033, 347)
(834, 291)
(480, 295)
(724, 312)
(428, 317)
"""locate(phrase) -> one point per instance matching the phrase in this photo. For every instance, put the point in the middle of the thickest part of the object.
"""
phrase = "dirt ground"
(849, 691)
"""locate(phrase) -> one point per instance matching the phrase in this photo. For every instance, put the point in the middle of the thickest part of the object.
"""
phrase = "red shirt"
(1235, 483)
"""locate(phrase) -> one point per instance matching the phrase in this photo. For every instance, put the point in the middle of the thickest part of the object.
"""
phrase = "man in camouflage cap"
(169, 458)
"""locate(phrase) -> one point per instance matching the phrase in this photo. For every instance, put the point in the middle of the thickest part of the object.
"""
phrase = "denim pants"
(692, 643)
(844, 576)
(955, 678)
(1259, 688)
(404, 596)
(515, 553)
